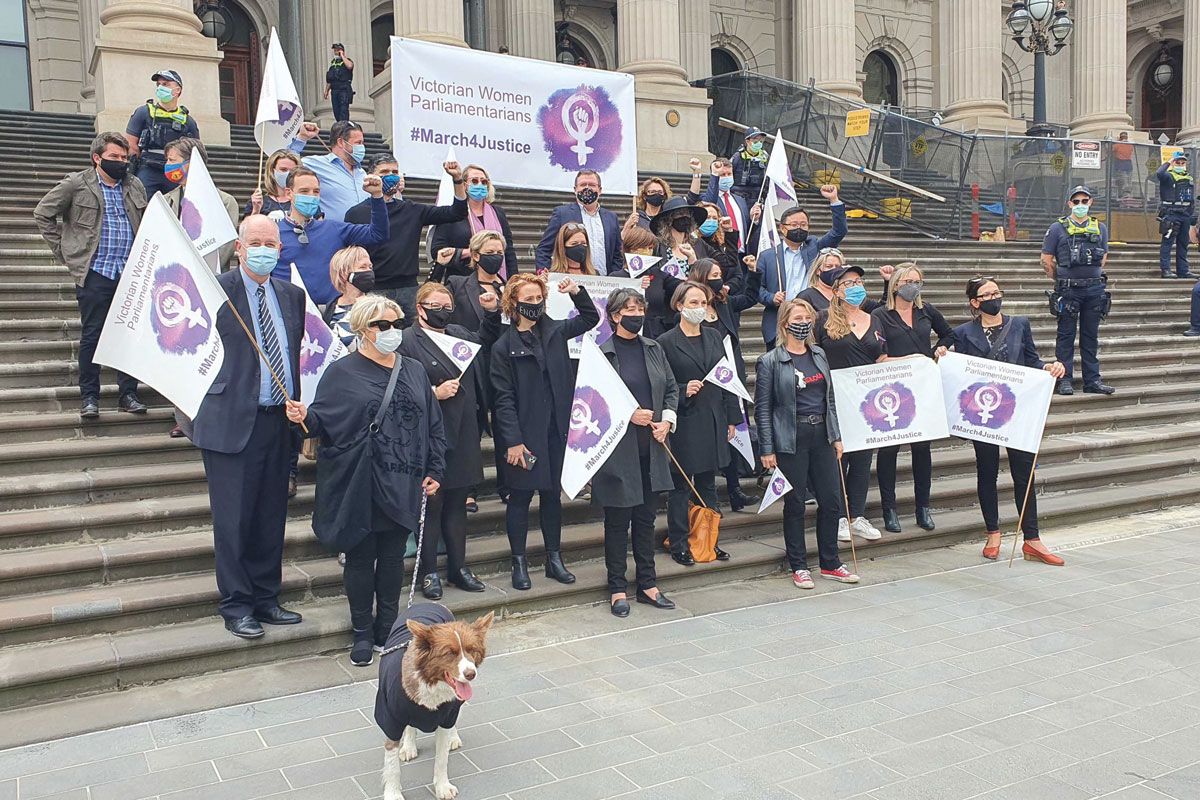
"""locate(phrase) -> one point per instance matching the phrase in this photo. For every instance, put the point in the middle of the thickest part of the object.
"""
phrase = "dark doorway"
(1162, 93)
(882, 85)
(382, 29)
(240, 70)
(723, 62)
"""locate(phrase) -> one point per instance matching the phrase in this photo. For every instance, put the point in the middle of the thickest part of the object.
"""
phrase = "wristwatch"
(459, 181)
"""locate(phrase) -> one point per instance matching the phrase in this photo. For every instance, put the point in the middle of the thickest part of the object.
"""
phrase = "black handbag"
(345, 484)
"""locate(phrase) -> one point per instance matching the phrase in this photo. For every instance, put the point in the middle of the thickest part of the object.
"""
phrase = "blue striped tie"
(270, 347)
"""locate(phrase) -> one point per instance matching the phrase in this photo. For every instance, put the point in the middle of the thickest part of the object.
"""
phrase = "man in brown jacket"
(89, 219)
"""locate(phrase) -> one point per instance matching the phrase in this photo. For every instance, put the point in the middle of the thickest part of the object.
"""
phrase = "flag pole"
(254, 342)
(846, 498)
(1024, 505)
(262, 154)
(684, 474)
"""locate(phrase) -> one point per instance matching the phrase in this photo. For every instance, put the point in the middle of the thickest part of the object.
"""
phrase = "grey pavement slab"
(975, 682)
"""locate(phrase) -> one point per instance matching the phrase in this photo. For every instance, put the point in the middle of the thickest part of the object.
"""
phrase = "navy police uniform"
(1176, 216)
(155, 127)
(338, 76)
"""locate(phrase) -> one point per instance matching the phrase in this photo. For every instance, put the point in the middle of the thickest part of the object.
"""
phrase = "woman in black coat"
(463, 402)
(678, 249)
(482, 215)
(907, 323)
(627, 484)
(999, 337)
(410, 453)
(707, 413)
(532, 391)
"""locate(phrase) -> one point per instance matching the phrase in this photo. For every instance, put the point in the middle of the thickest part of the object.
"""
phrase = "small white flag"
(638, 264)
(777, 488)
(280, 114)
(768, 233)
(600, 414)
(782, 190)
(675, 267)
(201, 211)
(460, 352)
(725, 375)
(741, 440)
(319, 348)
(445, 195)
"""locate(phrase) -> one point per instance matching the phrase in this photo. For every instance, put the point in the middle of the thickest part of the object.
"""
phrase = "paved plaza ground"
(971, 681)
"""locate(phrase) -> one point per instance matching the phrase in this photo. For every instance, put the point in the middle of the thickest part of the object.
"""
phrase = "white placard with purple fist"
(599, 287)
(996, 402)
(896, 402)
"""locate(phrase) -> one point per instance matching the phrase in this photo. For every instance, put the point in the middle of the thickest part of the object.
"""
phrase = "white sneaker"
(802, 578)
(864, 529)
(844, 530)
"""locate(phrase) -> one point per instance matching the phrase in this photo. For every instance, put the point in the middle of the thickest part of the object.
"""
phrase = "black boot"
(925, 518)
(520, 573)
(466, 580)
(431, 587)
(361, 652)
(555, 568)
(739, 499)
(891, 520)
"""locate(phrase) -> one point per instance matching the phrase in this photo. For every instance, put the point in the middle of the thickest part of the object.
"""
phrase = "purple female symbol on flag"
(180, 320)
(891, 407)
(461, 352)
(315, 346)
(724, 374)
(590, 419)
(581, 127)
(990, 404)
(777, 488)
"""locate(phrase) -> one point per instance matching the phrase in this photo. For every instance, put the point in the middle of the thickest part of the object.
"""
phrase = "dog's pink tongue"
(462, 690)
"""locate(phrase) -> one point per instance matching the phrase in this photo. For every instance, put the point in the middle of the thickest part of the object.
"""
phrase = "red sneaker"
(841, 575)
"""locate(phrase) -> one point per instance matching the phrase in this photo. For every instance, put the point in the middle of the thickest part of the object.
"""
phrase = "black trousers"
(445, 520)
(622, 524)
(813, 466)
(248, 495)
(341, 103)
(152, 177)
(94, 298)
(1087, 321)
(677, 505)
(858, 480)
(1179, 239)
(987, 470)
(374, 578)
(885, 474)
(516, 518)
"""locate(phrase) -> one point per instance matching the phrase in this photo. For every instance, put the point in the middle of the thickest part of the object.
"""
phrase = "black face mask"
(828, 277)
(576, 252)
(587, 196)
(655, 200)
(796, 236)
(633, 324)
(363, 281)
(532, 311)
(438, 318)
(716, 284)
(800, 330)
(682, 224)
(117, 170)
(491, 262)
(990, 307)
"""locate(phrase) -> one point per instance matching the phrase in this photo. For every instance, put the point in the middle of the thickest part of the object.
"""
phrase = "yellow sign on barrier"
(858, 123)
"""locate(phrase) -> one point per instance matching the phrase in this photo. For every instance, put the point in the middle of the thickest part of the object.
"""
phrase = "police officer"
(1176, 214)
(750, 167)
(1074, 253)
(337, 82)
(153, 125)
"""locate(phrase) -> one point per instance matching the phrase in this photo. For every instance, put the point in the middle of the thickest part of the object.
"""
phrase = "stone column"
(432, 20)
(89, 26)
(662, 95)
(824, 46)
(695, 38)
(324, 22)
(1098, 70)
(530, 27)
(972, 51)
(139, 37)
(1190, 132)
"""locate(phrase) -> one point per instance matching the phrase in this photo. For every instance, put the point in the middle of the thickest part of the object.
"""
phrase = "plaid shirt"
(116, 234)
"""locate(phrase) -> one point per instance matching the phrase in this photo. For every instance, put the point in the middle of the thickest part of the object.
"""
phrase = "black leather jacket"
(775, 401)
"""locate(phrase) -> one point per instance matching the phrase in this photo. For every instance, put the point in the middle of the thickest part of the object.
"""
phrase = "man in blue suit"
(603, 227)
(244, 435)
(745, 219)
(793, 256)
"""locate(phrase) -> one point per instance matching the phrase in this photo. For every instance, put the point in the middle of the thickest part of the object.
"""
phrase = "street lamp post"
(1040, 27)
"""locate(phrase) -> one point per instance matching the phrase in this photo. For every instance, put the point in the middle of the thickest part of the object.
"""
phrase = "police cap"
(751, 132)
(167, 75)
(336, 46)
(1081, 189)
(1179, 155)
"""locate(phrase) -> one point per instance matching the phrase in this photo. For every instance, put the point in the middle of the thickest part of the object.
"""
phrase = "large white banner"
(161, 326)
(896, 402)
(600, 413)
(320, 346)
(532, 123)
(992, 401)
(279, 111)
(599, 287)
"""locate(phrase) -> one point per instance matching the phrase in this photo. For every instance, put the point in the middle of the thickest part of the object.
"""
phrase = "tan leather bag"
(704, 523)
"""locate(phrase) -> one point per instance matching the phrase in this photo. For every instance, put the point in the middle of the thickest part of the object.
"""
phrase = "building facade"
(1125, 67)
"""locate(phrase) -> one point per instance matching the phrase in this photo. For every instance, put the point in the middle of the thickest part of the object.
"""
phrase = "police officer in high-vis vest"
(1074, 253)
(337, 82)
(1176, 214)
(156, 123)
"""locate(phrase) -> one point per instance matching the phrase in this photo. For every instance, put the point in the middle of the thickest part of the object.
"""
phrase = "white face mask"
(388, 341)
(694, 315)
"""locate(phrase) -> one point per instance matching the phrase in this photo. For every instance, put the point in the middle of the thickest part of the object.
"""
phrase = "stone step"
(55, 399)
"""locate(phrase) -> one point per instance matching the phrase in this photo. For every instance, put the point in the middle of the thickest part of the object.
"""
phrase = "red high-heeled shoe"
(1036, 555)
(991, 553)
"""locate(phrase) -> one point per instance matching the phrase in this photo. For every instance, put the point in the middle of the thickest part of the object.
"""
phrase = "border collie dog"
(425, 676)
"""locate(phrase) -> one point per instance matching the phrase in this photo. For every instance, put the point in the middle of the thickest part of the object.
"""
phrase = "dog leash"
(416, 566)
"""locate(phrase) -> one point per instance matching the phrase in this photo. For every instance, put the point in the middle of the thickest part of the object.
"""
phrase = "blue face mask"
(477, 192)
(281, 178)
(390, 182)
(164, 94)
(856, 295)
(708, 227)
(261, 260)
(358, 152)
(725, 183)
(306, 205)
(1080, 210)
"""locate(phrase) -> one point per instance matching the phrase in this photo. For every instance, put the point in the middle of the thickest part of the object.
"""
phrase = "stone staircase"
(105, 540)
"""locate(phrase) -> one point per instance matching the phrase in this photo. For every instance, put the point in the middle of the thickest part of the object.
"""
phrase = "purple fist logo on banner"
(461, 352)
(581, 128)
(989, 404)
(890, 407)
(180, 320)
(191, 219)
(315, 346)
(590, 419)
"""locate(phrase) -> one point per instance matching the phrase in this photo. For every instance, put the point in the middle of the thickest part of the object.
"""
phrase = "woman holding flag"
(628, 483)
(999, 337)
(798, 434)
(462, 397)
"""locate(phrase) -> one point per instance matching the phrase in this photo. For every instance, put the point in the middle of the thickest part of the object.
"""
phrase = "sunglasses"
(436, 307)
(301, 235)
(384, 324)
(826, 251)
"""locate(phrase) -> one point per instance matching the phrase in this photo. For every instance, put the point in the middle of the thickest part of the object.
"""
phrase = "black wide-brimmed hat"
(677, 203)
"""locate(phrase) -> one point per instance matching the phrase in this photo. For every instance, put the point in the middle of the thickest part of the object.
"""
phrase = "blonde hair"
(508, 301)
(558, 259)
(432, 287)
(785, 311)
(342, 263)
(369, 308)
(491, 195)
(903, 269)
(481, 238)
(818, 266)
(270, 187)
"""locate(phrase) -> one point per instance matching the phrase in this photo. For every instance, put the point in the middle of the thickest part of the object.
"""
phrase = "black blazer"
(228, 412)
(467, 311)
(458, 235)
(1017, 346)
(700, 441)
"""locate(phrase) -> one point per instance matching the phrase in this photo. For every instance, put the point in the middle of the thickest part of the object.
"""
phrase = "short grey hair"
(618, 299)
(369, 308)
